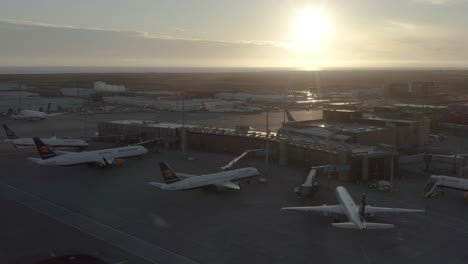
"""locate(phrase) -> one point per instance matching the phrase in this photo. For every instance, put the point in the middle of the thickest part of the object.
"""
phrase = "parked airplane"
(103, 157)
(438, 182)
(53, 142)
(33, 115)
(181, 181)
(356, 215)
(289, 116)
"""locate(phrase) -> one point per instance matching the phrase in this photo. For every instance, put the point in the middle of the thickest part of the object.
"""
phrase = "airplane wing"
(21, 147)
(379, 226)
(145, 142)
(55, 114)
(18, 116)
(337, 209)
(229, 185)
(351, 225)
(373, 210)
(232, 162)
(347, 225)
(443, 156)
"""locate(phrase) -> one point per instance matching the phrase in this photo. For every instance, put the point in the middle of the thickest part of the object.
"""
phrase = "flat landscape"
(273, 81)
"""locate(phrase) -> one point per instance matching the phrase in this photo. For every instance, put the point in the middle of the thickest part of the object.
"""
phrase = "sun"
(311, 25)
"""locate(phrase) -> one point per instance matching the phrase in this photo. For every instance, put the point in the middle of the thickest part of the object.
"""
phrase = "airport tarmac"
(114, 214)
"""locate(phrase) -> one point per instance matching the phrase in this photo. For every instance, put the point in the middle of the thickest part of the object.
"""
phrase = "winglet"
(9, 133)
(44, 150)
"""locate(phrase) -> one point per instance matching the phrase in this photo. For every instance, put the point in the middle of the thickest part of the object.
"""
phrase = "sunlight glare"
(310, 26)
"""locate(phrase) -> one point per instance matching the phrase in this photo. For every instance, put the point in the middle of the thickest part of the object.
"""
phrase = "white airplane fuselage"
(210, 179)
(95, 156)
(30, 114)
(349, 207)
(53, 142)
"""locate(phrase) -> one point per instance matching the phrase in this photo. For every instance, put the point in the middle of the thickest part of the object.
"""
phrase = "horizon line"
(4, 70)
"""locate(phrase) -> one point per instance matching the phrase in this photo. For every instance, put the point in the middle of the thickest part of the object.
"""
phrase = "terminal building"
(403, 134)
(456, 114)
(411, 89)
(352, 162)
(361, 144)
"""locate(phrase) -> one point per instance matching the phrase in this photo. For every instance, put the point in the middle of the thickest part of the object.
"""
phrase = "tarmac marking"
(117, 238)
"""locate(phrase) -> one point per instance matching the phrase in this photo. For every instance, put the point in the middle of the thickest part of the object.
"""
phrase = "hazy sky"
(255, 33)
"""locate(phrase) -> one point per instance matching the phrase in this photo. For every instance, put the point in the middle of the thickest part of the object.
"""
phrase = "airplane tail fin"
(9, 133)
(45, 151)
(290, 117)
(168, 174)
(362, 207)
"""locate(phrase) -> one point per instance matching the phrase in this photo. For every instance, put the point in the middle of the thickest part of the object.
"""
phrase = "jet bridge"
(310, 186)
(437, 182)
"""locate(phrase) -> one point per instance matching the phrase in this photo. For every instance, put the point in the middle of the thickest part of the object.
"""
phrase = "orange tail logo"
(43, 150)
(168, 173)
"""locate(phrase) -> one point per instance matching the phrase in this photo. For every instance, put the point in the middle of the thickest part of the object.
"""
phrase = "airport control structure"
(361, 144)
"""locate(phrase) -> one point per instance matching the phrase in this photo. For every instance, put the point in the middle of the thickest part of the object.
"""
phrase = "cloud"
(391, 42)
(27, 40)
(439, 2)
(41, 24)
(400, 25)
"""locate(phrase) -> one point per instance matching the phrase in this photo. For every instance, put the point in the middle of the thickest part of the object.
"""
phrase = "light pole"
(284, 106)
(20, 103)
(183, 111)
(394, 150)
(267, 156)
(183, 135)
(267, 149)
